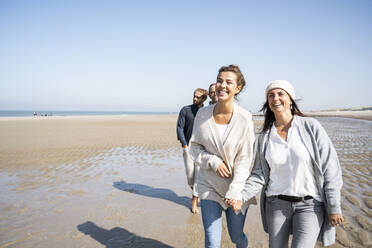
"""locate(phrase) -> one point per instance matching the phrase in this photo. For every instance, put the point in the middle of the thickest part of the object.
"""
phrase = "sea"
(26, 113)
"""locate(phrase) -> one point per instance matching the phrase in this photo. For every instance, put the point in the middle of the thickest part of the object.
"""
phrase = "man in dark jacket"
(185, 124)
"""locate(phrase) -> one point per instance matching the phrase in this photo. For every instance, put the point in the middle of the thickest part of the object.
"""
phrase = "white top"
(222, 129)
(291, 168)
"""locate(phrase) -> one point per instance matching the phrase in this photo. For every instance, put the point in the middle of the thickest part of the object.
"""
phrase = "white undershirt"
(222, 129)
(291, 168)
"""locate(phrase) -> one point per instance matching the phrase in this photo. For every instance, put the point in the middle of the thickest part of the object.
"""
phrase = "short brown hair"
(211, 86)
(236, 70)
(203, 92)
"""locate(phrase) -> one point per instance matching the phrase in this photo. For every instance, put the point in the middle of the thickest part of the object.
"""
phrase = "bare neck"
(283, 118)
(224, 107)
(223, 112)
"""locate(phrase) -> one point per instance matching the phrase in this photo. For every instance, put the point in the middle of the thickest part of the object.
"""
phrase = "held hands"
(335, 219)
(236, 205)
(223, 171)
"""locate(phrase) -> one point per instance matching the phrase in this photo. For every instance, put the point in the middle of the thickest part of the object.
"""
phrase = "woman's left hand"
(335, 219)
(223, 171)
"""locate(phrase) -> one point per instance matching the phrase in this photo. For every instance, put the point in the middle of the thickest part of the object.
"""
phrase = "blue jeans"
(212, 222)
(303, 219)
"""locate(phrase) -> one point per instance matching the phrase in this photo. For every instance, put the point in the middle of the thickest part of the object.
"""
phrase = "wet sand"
(119, 181)
(353, 142)
(362, 115)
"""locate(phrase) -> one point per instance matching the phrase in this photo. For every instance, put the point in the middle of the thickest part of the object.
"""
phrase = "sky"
(151, 55)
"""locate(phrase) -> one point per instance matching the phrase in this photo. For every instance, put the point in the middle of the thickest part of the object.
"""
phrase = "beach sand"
(119, 181)
(363, 115)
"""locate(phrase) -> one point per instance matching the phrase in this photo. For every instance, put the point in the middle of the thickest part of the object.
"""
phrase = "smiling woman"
(280, 97)
(298, 173)
(230, 82)
(222, 145)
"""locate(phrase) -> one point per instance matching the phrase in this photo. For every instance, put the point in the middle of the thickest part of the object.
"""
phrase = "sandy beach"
(119, 181)
(363, 115)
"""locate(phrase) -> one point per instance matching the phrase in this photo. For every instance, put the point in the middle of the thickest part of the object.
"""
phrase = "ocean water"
(25, 113)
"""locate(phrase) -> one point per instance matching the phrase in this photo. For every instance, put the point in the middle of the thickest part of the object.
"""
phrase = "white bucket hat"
(281, 84)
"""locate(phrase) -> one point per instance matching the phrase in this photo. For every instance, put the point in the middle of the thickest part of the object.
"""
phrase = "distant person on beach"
(222, 145)
(212, 94)
(298, 173)
(185, 125)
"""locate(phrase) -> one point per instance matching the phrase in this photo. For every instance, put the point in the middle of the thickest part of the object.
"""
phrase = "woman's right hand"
(335, 219)
(223, 171)
(236, 205)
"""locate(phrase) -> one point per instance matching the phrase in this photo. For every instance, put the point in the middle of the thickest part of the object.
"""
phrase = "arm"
(253, 184)
(207, 160)
(202, 157)
(332, 174)
(242, 165)
(331, 170)
(198, 152)
(257, 179)
(181, 126)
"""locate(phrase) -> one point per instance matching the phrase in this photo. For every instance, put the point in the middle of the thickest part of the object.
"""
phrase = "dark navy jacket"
(185, 123)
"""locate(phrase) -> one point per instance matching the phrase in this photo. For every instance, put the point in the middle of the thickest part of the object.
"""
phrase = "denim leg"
(212, 222)
(279, 221)
(235, 225)
(307, 221)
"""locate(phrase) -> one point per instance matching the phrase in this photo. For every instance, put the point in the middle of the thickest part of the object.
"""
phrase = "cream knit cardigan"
(209, 150)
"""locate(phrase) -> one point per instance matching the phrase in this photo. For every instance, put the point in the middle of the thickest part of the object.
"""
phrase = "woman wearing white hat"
(297, 169)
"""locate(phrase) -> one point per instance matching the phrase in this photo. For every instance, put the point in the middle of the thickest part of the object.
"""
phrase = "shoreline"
(61, 117)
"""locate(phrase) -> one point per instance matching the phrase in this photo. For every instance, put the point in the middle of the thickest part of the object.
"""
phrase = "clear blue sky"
(151, 55)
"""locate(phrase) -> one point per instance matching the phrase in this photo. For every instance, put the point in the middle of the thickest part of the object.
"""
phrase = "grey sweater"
(326, 168)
